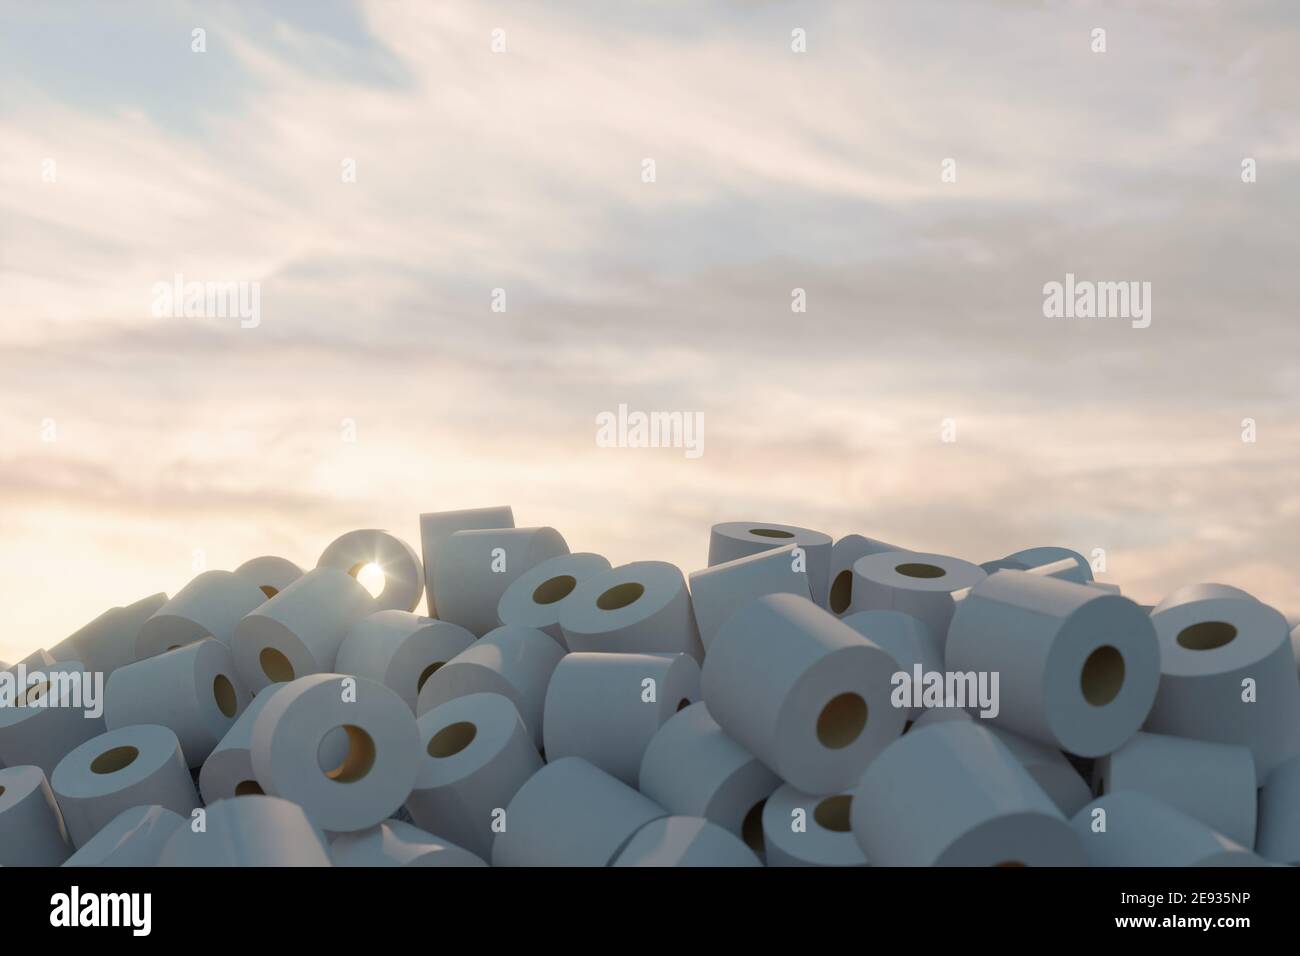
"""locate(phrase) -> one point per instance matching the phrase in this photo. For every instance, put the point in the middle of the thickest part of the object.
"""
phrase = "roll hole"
(275, 666)
(554, 589)
(841, 721)
(1102, 677)
(2, 791)
(751, 828)
(35, 692)
(223, 692)
(111, 761)
(683, 703)
(269, 591)
(916, 570)
(833, 813)
(356, 762)
(1005, 863)
(452, 739)
(842, 591)
(248, 788)
(1206, 636)
(370, 576)
(426, 674)
(771, 533)
(620, 595)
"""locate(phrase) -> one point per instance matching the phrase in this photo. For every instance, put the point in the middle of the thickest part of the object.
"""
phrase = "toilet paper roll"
(31, 827)
(902, 637)
(65, 650)
(951, 794)
(844, 554)
(192, 690)
(539, 595)
(135, 837)
(403, 573)
(692, 768)
(437, 526)
(209, 606)
(1279, 815)
(228, 771)
(915, 583)
(374, 776)
(1077, 667)
(1215, 783)
(35, 731)
(738, 539)
(802, 691)
(394, 843)
(119, 769)
(109, 641)
(605, 708)
(1227, 674)
(476, 568)
(685, 841)
(1053, 561)
(717, 591)
(1048, 767)
(800, 829)
(271, 574)
(1295, 647)
(1139, 830)
(475, 755)
(642, 607)
(400, 650)
(250, 831)
(571, 813)
(298, 632)
(515, 662)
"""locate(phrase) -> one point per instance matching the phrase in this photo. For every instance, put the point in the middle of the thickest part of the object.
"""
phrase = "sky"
(499, 155)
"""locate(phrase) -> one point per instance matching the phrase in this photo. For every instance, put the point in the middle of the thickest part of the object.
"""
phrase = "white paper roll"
(109, 641)
(37, 660)
(193, 690)
(270, 573)
(250, 831)
(717, 591)
(378, 769)
(298, 632)
(515, 662)
(1227, 674)
(400, 650)
(692, 768)
(685, 841)
(1295, 646)
(915, 583)
(475, 569)
(1077, 667)
(738, 539)
(1053, 561)
(36, 732)
(476, 754)
(403, 573)
(571, 813)
(128, 767)
(228, 771)
(844, 555)
(209, 606)
(1279, 815)
(902, 637)
(394, 843)
(1215, 783)
(1139, 830)
(802, 691)
(135, 837)
(800, 829)
(538, 597)
(31, 827)
(642, 607)
(606, 707)
(951, 794)
(437, 526)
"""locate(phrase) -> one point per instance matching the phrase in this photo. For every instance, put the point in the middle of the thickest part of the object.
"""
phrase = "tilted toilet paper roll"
(571, 813)
(31, 826)
(437, 526)
(1049, 560)
(951, 794)
(476, 755)
(298, 632)
(400, 650)
(192, 690)
(642, 607)
(109, 641)
(802, 691)
(228, 771)
(271, 574)
(120, 769)
(915, 583)
(35, 731)
(403, 573)
(1139, 830)
(209, 606)
(135, 837)
(394, 843)
(515, 662)
(537, 597)
(902, 637)
(1279, 815)
(685, 841)
(1077, 667)
(1227, 674)
(606, 707)
(249, 831)
(739, 539)
(717, 591)
(844, 554)
(476, 568)
(374, 776)
(800, 829)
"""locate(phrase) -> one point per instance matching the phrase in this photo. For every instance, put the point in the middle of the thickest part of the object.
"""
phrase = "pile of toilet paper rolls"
(798, 700)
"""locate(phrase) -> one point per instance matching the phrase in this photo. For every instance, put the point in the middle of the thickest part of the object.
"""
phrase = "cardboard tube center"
(842, 591)
(452, 739)
(1102, 677)
(275, 665)
(770, 533)
(751, 828)
(223, 692)
(841, 720)
(620, 595)
(916, 570)
(269, 591)
(833, 813)
(1206, 636)
(552, 590)
(111, 761)
(426, 674)
(358, 760)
